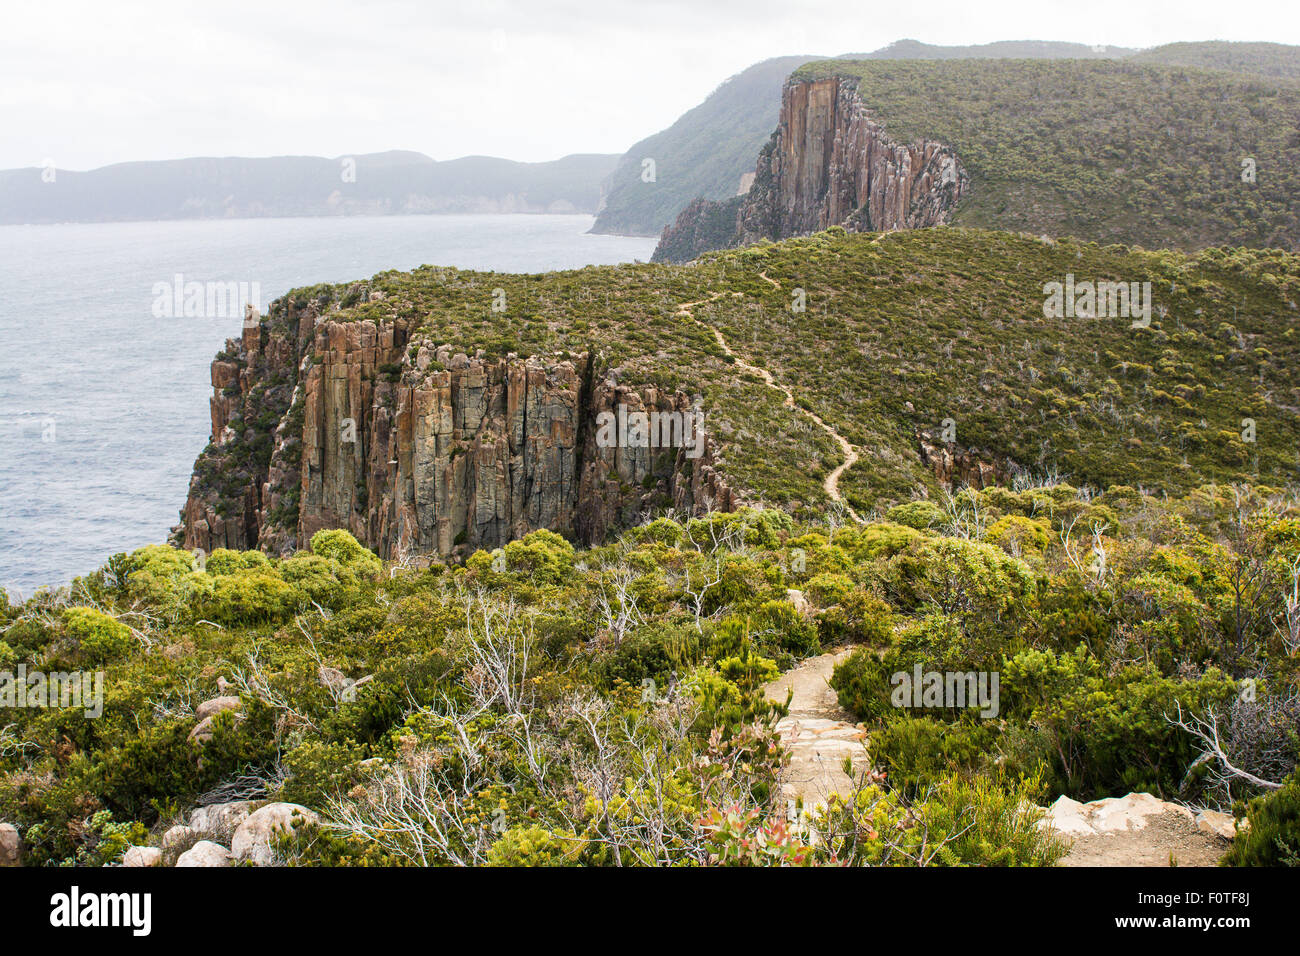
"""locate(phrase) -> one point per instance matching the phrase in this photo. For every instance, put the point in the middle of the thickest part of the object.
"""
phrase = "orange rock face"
(449, 452)
(828, 163)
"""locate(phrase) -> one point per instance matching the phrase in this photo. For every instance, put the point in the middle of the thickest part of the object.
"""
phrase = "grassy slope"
(1050, 150)
(949, 320)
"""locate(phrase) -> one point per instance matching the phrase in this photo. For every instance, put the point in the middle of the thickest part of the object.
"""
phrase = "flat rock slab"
(818, 734)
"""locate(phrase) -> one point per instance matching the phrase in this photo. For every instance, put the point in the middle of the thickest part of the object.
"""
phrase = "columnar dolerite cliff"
(828, 163)
(417, 448)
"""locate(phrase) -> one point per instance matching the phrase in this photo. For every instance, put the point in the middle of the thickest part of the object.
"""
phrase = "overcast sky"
(88, 83)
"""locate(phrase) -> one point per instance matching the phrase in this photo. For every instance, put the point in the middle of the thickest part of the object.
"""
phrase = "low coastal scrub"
(609, 706)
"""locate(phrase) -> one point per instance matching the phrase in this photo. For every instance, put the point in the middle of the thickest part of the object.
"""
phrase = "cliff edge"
(829, 163)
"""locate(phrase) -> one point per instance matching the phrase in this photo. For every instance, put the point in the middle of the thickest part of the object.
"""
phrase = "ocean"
(104, 397)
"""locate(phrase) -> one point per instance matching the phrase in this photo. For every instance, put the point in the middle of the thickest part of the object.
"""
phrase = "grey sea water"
(104, 406)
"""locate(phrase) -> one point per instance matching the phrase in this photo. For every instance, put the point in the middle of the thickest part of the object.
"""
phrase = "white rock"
(1068, 817)
(11, 847)
(178, 836)
(142, 856)
(207, 713)
(210, 708)
(202, 731)
(255, 835)
(801, 603)
(1129, 812)
(221, 819)
(1221, 824)
(205, 853)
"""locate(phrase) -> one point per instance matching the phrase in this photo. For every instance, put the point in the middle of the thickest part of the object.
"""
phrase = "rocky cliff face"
(958, 467)
(418, 449)
(828, 163)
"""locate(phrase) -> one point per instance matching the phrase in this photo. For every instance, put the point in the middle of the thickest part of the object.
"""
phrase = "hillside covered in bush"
(934, 360)
(1127, 561)
(1105, 150)
(546, 706)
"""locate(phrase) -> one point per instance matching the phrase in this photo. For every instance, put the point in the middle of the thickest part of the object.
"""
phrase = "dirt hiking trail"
(832, 483)
(818, 734)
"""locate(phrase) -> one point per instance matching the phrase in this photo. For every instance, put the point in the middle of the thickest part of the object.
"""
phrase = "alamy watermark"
(1098, 300)
(18, 429)
(638, 429)
(204, 300)
(946, 689)
(75, 689)
(73, 909)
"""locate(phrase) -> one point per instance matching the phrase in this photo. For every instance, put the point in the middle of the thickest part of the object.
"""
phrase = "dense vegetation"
(1120, 628)
(705, 152)
(546, 706)
(907, 339)
(1262, 59)
(1106, 150)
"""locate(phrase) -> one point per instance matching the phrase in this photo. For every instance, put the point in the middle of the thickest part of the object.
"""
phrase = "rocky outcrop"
(11, 845)
(205, 853)
(828, 164)
(419, 449)
(254, 840)
(220, 820)
(142, 856)
(1137, 829)
(178, 839)
(207, 713)
(958, 466)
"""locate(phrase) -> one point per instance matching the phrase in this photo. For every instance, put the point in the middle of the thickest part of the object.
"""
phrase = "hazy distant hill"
(705, 153)
(374, 184)
(1003, 49)
(1261, 59)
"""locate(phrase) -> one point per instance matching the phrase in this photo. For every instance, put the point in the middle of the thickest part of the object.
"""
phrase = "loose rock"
(11, 846)
(210, 708)
(138, 856)
(255, 835)
(221, 819)
(205, 853)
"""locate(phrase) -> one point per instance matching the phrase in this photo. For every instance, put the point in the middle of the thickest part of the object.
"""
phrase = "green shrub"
(921, 515)
(788, 628)
(861, 683)
(960, 577)
(532, 846)
(653, 651)
(100, 638)
(1273, 837)
(859, 618)
(992, 821)
(918, 751)
(542, 555)
(885, 540)
(1019, 536)
(249, 597)
(225, 561)
(347, 551)
(829, 588)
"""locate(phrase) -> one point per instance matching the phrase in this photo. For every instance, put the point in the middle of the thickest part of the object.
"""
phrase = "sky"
(85, 83)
